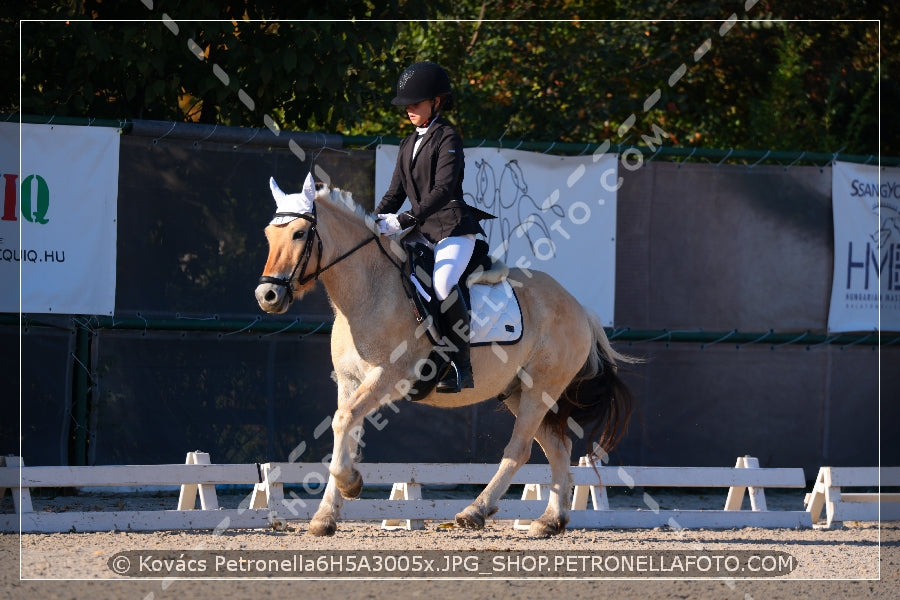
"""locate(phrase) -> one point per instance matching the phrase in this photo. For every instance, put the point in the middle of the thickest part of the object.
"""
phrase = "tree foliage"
(760, 83)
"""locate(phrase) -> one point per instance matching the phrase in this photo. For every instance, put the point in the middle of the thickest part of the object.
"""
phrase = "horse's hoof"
(322, 526)
(470, 519)
(473, 518)
(543, 529)
(353, 489)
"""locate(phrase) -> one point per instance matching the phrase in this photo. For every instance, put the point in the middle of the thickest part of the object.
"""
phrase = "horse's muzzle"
(273, 298)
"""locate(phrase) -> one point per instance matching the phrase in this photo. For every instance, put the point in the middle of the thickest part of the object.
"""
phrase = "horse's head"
(293, 240)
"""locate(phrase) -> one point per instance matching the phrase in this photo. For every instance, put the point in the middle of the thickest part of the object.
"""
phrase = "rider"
(429, 171)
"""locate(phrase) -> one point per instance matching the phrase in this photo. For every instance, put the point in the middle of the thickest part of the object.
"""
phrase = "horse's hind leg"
(559, 451)
(529, 412)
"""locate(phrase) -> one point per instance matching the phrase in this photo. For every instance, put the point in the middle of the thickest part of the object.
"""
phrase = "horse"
(561, 374)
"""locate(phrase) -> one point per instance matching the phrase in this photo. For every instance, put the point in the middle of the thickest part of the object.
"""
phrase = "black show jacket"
(433, 183)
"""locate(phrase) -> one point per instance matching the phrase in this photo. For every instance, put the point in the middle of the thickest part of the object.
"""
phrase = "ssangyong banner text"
(58, 221)
(866, 206)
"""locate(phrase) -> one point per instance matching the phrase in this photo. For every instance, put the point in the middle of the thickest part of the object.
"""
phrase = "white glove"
(388, 224)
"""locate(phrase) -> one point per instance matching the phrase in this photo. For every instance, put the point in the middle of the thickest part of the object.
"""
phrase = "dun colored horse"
(561, 375)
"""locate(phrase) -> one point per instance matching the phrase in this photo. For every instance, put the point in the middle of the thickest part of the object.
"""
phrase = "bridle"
(299, 271)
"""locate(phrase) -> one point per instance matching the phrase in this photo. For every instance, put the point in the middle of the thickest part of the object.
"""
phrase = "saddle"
(496, 316)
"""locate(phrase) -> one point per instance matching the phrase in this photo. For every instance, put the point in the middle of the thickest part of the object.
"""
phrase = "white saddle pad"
(496, 316)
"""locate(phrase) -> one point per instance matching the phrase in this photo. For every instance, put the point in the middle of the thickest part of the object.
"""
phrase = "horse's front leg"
(344, 480)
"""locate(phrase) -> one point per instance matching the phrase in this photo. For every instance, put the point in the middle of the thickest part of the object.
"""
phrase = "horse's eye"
(298, 235)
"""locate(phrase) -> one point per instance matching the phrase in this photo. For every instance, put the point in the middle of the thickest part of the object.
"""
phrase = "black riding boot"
(456, 327)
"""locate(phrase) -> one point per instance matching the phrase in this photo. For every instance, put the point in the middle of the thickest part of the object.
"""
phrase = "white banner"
(866, 210)
(63, 204)
(555, 214)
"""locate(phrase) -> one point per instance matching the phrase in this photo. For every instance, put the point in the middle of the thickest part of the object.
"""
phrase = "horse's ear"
(276, 191)
(309, 188)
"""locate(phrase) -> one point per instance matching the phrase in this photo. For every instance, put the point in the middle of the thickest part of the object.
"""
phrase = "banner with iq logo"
(865, 291)
(58, 218)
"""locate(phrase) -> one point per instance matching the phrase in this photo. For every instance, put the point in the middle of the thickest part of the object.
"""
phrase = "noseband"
(303, 262)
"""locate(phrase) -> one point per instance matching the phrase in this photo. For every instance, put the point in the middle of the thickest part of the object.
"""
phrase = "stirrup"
(455, 381)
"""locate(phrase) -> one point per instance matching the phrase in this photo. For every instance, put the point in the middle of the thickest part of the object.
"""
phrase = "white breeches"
(451, 257)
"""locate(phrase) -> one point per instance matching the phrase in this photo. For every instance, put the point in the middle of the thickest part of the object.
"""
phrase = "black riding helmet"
(421, 81)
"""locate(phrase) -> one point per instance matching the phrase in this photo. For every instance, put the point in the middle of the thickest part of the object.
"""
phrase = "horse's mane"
(344, 202)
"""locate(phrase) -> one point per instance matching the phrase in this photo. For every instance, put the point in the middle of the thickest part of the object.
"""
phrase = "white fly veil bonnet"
(292, 206)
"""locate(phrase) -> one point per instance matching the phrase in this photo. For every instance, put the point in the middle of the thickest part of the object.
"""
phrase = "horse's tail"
(597, 397)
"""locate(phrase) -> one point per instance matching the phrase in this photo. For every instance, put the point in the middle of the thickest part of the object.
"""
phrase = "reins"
(303, 261)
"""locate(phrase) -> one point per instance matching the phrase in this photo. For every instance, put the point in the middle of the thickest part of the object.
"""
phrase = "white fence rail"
(830, 492)
(405, 507)
(192, 477)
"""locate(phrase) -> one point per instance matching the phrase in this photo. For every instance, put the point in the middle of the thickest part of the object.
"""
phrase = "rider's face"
(420, 113)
